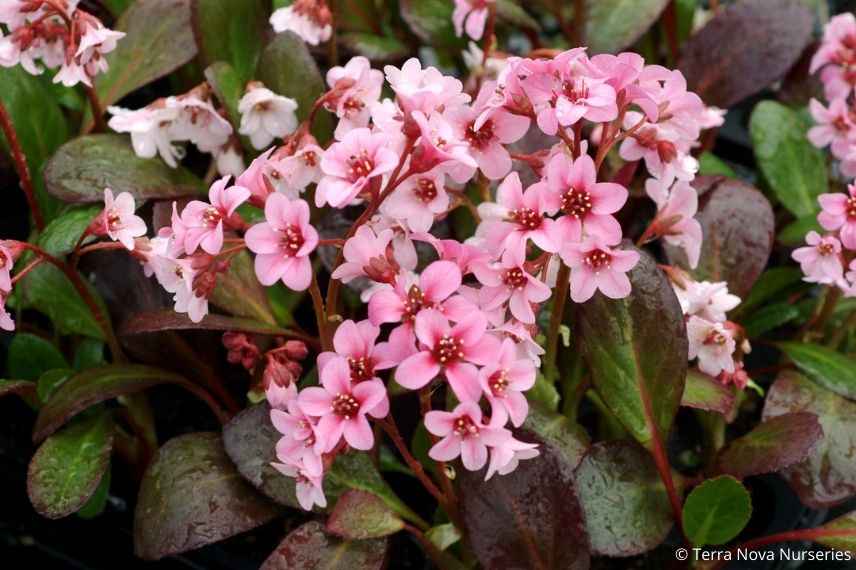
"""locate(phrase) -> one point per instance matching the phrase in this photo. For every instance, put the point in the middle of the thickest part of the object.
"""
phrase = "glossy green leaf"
(309, 546)
(626, 505)
(769, 318)
(31, 356)
(773, 284)
(443, 535)
(88, 354)
(794, 168)
(62, 234)
(82, 168)
(636, 349)
(192, 495)
(98, 501)
(711, 165)
(228, 88)
(51, 380)
(716, 511)
(230, 31)
(377, 48)
(431, 21)
(828, 368)
(359, 515)
(510, 12)
(793, 234)
(612, 25)
(66, 469)
(705, 393)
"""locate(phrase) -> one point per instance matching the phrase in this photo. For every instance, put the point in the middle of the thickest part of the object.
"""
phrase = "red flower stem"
(661, 460)
(99, 247)
(21, 167)
(332, 44)
(97, 110)
(391, 430)
(489, 40)
(320, 314)
(20, 275)
(789, 536)
(613, 139)
(445, 482)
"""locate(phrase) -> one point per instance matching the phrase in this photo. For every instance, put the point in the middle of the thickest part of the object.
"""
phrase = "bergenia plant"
(467, 283)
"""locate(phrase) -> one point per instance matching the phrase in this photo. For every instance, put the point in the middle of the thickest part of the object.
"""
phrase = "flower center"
(514, 278)
(211, 216)
(291, 240)
(353, 105)
(851, 207)
(498, 382)
(479, 138)
(413, 303)
(362, 368)
(359, 166)
(345, 405)
(715, 337)
(310, 158)
(825, 248)
(448, 350)
(598, 259)
(527, 217)
(425, 190)
(576, 203)
(575, 89)
(465, 427)
(114, 221)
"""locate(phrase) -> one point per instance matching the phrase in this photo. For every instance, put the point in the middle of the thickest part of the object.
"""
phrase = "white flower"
(150, 131)
(120, 223)
(309, 19)
(230, 162)
(266, 116)
(713, 344)
(199, 122)
(707, 300)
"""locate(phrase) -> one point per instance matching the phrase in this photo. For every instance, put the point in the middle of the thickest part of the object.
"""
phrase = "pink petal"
(263, 238)
(358, 433)
(439, 280)
(315, 401)
(430, 326)
(439, 422)
(418, 370)
(336, 376)
(464, 380)
(473, 453)
(446, 449)
(385, 306)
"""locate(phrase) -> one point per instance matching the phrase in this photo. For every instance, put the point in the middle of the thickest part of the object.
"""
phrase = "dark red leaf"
(746, 47)
(169, 320)
(23, 388)
(310, 547)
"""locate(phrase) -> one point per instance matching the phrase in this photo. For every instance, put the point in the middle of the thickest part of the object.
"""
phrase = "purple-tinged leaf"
(359, 515)
(192, 495)
(743, 49)
(239, 292)
(66, 469)
(169, 320)
(773, 445)
(828, 475)
(22, 388)
(626, 507)
(309, 546)
(705, 393)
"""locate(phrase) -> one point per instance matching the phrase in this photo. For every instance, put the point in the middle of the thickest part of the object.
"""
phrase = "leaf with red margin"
(828, 475)
(239, 292)
(169, 320)
(359, 515)
(309, 546)
(25, 389)
(738, 227)
(192, 495)
(773, 445)
(839, 533)
(705, 393)
(743, 49)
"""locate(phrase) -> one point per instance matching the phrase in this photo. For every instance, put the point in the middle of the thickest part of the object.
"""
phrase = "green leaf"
(39, 133)
(98, 501)
(769, 318)
(94, 386)
(67, 468)
(377, 48)
(510, 12)
(287, 68)
(191, 495)
(312, 547)
(839, 533)
(89, 353)
(771, 446)
(359, 515)
(31, 356)
(117, 7)
(705, 393)
(61, 235)
(711, 165)
(50, 381)
(229, 89)
(636, 349)
(716, 511)
(239, 292)
(431, 21)
(545, 393)
(626, 505)
(612, 25)
(230, 31)
(825, 366)
(443, 535)
(82, 168)
(794, 168)
(158, 40)
(773, 284)
(686, 10)
(793, 234)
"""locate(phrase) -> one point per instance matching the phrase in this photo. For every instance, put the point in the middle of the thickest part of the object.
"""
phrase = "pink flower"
(118, 219)
(309, 19)
(594, 265)
(203, 222)
(291, 175)
(474, 13)
(177, 277)
(7, 260)
(351, 165)
(418, 89)
(510, 282)
(839, 211)
(438, 144)
(713, 344)
(516, 218)
(342, 406)
(451, 350)
(283, 243)
(419, 199)
(463, 434)
(300, 444)
(704, 299)
(366, 256)
(6, 322)
(310, 485)
(255, 179)
(675, 221)
(821, 260)
(353, 106)
(504, 380)
(588, 205)
(834, 126)
(505, 456)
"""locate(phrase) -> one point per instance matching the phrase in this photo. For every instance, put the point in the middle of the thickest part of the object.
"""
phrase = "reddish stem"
(661, 460)
(320, 314)
(97, 110)
(21, 167)
(391, 430)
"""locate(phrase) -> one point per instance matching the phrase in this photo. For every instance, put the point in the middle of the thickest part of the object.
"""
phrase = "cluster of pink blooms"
(836, 123)
(193, 116)
(55, 33)
(309, 19)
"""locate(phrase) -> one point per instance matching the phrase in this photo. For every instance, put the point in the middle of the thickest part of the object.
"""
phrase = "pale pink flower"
(438, 144)
(301, 444)
(848, 284)
(342, 406)
(516, 218)
(506, 455)
(150, 132)
(203, 222)
(713, 344)
(664, 149)
(353, 105)
(588, 205)
(199, 122)
(118, 219)
(504, 380)
(839, 213)
(352, 165)
(675, 216)
(291, 175)
(176, 276)
(419, 199)
(309, 19)
(450, 350)
(471, 15)
(6, 322)
(230, 161)
(7, 260)
(266, 116)
(510, 282)
(366, 256)
(838, 35)
(821, 260)
(283, 243)
(309, 487)
(594, 265)
(279, 396)
(94, 43)
(834, 127)
(463, 434)
(704, 299)
(255, 179)
(424, 90)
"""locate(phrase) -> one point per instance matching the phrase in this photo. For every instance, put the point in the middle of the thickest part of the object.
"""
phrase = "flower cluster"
(836, 123)
(55, 33)
(7, 261)
(309, 19)
(461, 315)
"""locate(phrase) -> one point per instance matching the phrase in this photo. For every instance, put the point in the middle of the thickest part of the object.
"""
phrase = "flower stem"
(21, 167)
(97, 110)
(391, 430)
(562, 285)
(445, 482)
(320, 313)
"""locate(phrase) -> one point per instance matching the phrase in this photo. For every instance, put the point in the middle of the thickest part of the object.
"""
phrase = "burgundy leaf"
(169, 320)
(746, 47)
(23, 388)
(309, 546)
